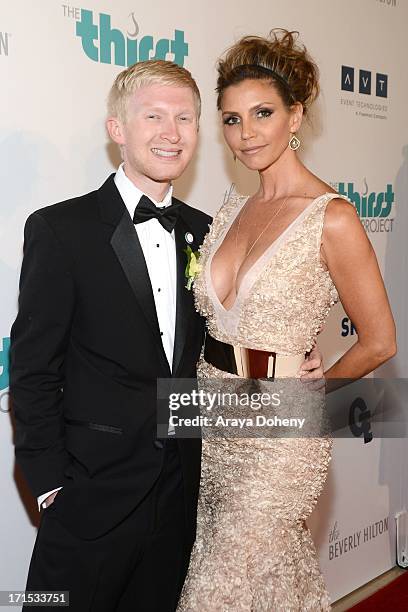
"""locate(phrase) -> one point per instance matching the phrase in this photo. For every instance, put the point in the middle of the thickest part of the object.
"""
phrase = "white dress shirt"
(159, 250)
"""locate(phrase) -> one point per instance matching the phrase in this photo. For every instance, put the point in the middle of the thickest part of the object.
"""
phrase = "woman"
(273, 265)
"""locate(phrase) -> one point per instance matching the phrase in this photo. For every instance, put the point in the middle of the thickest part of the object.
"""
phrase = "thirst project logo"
(4, 363)
(109, 45)
(375, 209)
(4, 374)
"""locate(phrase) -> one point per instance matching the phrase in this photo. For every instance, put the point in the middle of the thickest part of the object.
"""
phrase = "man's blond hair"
(151, 72)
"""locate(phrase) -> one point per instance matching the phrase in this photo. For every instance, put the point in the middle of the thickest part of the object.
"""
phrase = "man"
(103, 313)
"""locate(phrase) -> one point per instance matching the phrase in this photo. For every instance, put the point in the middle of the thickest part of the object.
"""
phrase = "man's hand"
(312, 368)
(50, 499)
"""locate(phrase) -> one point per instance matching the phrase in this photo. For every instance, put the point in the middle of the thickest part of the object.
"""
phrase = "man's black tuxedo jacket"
(85, 356)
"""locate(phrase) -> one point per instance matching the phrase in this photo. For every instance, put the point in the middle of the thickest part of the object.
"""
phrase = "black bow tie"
(146, 210)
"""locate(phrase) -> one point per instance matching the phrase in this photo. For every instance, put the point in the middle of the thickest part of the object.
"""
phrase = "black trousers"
(139, 566)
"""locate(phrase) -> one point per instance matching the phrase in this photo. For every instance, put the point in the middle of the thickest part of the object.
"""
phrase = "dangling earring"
(294, 142)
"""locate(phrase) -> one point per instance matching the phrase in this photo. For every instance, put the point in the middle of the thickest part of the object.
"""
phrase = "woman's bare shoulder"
(342, 222)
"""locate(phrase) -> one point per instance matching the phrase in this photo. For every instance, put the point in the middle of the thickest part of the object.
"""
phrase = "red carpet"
(391, 598)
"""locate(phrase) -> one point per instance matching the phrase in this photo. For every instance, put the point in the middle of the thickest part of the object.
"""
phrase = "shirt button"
(161, 333)
(159, 289)
(157, 245)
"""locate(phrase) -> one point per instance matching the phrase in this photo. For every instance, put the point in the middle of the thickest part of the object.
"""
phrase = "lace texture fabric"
(284, 298)
(253, 551)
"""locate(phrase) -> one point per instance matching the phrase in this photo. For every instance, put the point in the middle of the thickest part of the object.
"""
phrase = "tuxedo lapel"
(127, 248)
(125, 243)
(185, 301)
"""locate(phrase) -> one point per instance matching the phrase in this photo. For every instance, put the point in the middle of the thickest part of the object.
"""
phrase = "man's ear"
(115, 130)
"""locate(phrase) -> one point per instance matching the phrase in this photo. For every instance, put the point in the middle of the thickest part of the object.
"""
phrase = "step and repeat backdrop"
(57, 62)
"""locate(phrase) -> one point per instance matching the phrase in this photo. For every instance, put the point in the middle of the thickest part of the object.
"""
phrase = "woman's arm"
(353, 266)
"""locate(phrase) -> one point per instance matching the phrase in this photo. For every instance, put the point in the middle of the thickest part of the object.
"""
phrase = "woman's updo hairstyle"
(278, 58)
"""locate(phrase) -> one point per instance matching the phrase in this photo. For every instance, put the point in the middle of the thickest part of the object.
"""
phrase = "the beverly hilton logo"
(108, 45)
(375, 209)
(340, 545)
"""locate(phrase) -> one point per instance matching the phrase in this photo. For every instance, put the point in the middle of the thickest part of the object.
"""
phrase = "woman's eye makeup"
(260, 113)
(230, 120)
(264, 112)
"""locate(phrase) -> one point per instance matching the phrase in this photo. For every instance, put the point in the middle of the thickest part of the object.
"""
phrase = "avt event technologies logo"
(4, 374)
(339, 546)
(374, 209)
(99, 39)
(365, 83)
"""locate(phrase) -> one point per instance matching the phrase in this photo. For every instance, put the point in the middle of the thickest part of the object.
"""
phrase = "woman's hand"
(312, 369)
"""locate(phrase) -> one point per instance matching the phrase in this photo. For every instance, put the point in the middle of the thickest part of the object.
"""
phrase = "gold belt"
(250, 363)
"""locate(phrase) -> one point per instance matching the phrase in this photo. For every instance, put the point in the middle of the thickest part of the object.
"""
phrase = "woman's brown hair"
(278, 58)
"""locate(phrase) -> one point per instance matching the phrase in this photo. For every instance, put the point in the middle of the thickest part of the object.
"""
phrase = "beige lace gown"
(253, 551)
